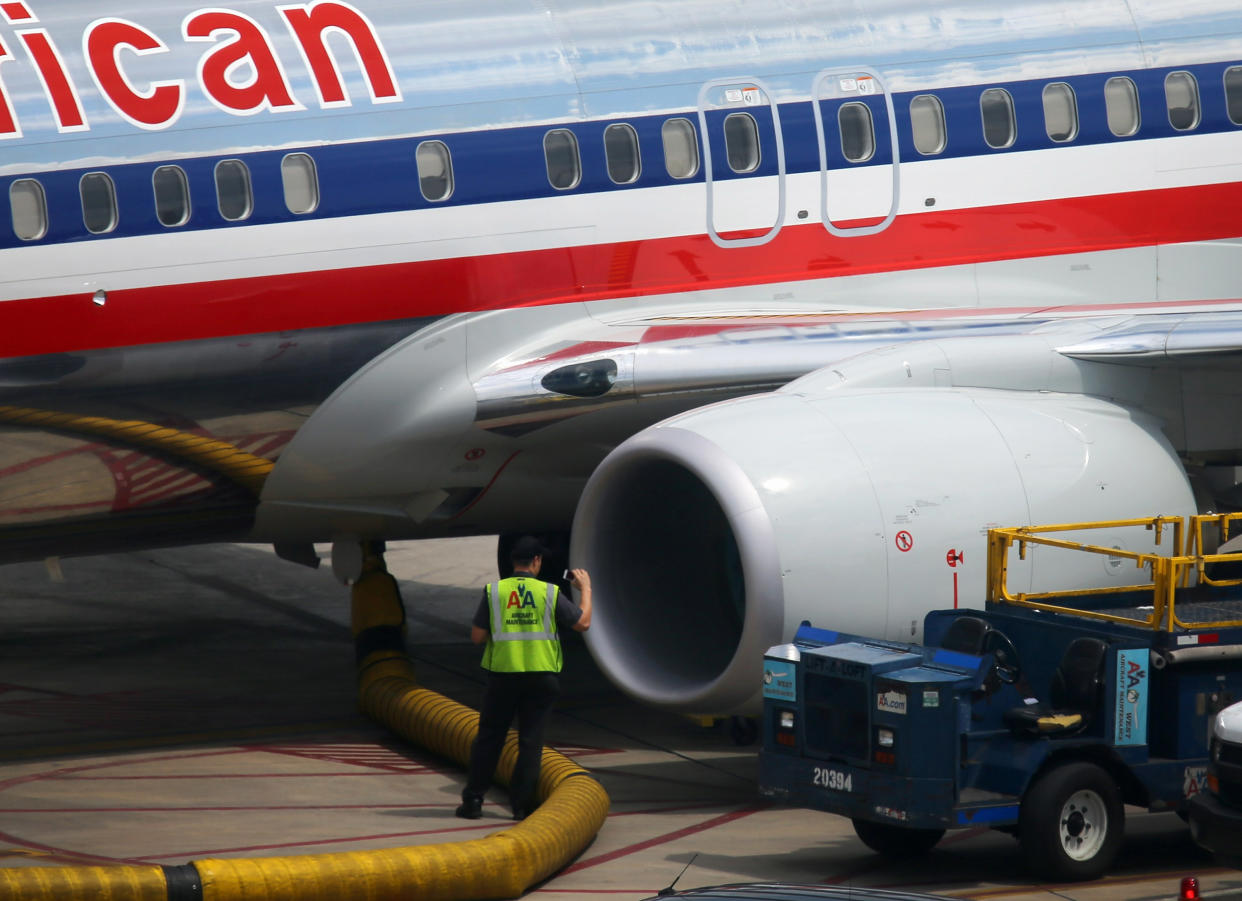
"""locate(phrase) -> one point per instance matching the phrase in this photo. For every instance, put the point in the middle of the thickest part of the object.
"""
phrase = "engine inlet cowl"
(710, 536)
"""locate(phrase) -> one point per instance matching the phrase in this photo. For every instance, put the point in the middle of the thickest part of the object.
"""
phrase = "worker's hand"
(580, 579)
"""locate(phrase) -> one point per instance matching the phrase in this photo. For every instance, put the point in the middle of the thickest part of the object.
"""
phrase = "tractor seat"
(1077, 687)
(967, 635)
(976, 636)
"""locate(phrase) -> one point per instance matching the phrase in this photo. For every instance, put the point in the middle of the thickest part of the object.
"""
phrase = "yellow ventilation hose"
(238, 466)
(502, 865)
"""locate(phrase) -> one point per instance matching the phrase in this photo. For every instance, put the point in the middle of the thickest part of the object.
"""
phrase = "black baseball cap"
(526, 548)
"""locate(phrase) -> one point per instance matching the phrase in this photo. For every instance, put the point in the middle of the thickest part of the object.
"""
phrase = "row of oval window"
(927, 125)
(1121, 104)
(100, 213)
(235, 198)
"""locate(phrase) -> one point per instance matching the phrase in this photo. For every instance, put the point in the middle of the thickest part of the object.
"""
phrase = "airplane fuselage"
(222, 217)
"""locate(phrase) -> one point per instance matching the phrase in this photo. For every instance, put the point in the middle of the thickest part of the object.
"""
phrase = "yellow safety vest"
(523, 616)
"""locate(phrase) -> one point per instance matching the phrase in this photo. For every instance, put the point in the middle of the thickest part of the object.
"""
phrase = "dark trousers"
(530, 696)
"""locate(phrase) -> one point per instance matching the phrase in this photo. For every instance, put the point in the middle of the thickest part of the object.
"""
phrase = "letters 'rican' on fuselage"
(238, 42)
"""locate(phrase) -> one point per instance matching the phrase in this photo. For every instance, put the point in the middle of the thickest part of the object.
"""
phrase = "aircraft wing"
(844, 468)
(724, 475)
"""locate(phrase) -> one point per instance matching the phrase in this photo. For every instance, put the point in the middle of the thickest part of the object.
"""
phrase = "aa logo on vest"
(520, 597)
(520, 610)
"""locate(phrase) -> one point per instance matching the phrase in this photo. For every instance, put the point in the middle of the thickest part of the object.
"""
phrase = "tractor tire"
(1071, 823)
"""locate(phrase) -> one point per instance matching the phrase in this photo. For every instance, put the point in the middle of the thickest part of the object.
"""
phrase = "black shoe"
(470, 808)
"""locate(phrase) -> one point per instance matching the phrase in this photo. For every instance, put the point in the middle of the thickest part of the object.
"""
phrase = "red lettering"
(310, 24)
(267, 87)
(514, 601)
(8, 121)
(56, 82)
(158, 106)
(16, 12)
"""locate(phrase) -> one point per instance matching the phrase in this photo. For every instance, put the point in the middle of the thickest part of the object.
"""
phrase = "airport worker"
(519, 620)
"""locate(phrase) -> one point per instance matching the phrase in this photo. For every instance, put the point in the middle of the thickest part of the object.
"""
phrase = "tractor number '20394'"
(833, 779)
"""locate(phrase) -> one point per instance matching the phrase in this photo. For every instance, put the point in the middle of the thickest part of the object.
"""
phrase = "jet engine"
(711, 535)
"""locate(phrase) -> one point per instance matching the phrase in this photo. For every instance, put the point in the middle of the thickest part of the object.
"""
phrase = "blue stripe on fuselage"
(366, 177)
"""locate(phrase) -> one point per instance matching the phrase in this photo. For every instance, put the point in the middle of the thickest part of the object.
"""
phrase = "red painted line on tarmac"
(61, 508)
(138, 476)
(65, 853)
(19, 468)
(148, 482)
(44, 858)
(373, 756)
(658, 806)
(576, 892)
(255, 807)
(29, 733)
(75, 774)
(33, 689)
(721, 820)
(194, 855)
(576, 751)
(67, 773)
(154, 778)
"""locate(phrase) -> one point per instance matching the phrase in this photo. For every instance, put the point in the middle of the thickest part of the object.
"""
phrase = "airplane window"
(857, 132)
(233, 194)
(28, 205)
(621, 149)
(999, 127)
(1121, 101)
(1233, 94)
(560, 151)
(1060, 112)
(301, 182)
(172, 196)
(681, 148)
(435, 170)
(1181, 96)
(927, 124)
(742, 142)
(99, 213)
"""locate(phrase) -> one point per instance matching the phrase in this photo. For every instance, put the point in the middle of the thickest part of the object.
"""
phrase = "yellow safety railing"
(1183, 565)
(1225, 522)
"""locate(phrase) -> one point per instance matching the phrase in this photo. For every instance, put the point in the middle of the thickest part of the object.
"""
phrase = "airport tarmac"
(164, 706)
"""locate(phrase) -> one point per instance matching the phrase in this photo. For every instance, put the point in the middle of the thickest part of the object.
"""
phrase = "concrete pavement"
(164, 706)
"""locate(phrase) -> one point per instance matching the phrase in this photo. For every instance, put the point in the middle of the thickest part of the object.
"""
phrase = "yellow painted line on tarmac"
(179, 738)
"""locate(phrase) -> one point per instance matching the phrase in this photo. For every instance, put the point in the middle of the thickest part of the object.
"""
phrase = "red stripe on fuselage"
(232, 307)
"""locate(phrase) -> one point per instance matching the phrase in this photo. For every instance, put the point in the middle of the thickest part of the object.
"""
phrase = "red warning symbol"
(954, 557)
(904, 541)
(475, 454)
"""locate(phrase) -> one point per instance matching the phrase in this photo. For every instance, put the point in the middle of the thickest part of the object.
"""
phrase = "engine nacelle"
(710, 536)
